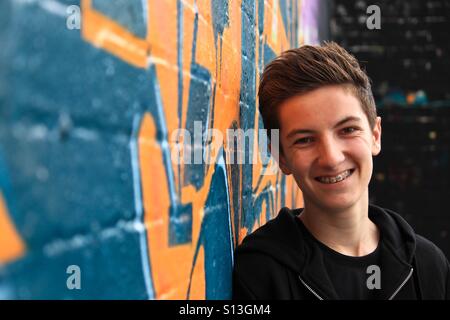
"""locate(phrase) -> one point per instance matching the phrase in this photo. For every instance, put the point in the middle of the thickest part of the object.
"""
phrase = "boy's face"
(327, 145)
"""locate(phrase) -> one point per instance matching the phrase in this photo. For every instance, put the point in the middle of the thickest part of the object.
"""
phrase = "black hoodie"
(278, 261)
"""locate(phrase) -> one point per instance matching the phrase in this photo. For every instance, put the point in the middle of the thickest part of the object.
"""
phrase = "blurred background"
(91, 205)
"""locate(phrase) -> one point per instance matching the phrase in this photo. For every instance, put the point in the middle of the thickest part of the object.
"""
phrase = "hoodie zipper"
(392, 297)
(403, 283)
(309, 288)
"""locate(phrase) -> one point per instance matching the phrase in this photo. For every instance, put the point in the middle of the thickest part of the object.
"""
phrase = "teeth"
(335, 179)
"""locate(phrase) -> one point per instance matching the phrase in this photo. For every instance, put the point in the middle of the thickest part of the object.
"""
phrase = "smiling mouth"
(335, 179)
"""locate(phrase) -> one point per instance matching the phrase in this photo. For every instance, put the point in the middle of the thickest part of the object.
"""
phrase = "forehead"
(319, 108)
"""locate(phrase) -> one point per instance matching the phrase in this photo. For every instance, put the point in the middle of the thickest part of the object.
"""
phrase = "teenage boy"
(338, 246)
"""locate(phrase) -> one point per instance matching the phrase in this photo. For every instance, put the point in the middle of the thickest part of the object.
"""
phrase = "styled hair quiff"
(304, 69)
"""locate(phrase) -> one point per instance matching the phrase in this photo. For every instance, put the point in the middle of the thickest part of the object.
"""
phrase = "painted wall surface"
(87, 176)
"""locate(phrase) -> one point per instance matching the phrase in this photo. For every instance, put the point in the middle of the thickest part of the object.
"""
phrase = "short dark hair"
(301, 70)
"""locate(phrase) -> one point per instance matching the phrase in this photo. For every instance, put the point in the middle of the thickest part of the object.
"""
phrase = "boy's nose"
(330, 154)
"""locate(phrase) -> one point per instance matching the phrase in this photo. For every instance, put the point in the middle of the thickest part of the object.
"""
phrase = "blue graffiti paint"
(215, 236)
(139, 207)
(248, 105)
(6, 191)
(180, 33)
(198, 110)
(180, 224)
(283, 5)
(180, 215)
(60, 76)
(289, 9)
(199, 104)
(220, 17)
(260, 16)
(269, 54)
(5, 37)
(109, 264)
(294, 25)
(65, 139)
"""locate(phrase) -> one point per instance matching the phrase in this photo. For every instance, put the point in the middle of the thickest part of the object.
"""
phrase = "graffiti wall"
(91, 94)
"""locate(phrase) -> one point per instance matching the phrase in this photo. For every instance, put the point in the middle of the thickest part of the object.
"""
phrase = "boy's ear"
(281, 159)
(376, 135)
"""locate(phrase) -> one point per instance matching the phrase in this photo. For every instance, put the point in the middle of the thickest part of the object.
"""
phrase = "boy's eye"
(349, 130)
(304, 140)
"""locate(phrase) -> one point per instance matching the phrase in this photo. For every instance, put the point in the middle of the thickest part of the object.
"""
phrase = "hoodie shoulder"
(256, 270)
(431, 254)
(262, 260)
(278, 234)
(433, 269)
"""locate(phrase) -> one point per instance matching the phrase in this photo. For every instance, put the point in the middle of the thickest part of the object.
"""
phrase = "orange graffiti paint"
(105, 33)
(12, 246)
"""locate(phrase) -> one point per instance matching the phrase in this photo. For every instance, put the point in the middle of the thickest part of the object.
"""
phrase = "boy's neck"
(349, 232)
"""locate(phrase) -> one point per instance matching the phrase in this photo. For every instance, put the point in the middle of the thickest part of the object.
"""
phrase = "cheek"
(362, 155)
(301, 164)
(360, 148)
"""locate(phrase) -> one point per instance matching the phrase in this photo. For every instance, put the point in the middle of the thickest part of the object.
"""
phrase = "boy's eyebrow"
(339, 123)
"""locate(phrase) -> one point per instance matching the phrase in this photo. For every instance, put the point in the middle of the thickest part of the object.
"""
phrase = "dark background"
(408, 63)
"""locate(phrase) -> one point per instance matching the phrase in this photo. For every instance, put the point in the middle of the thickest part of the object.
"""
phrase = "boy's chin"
(335, 203)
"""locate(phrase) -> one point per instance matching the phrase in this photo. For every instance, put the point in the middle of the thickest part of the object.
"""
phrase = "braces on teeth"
(338, 178)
